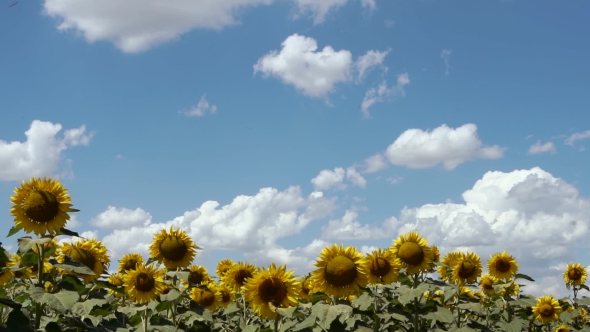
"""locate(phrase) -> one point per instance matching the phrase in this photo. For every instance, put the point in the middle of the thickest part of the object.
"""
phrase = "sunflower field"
(65, 286)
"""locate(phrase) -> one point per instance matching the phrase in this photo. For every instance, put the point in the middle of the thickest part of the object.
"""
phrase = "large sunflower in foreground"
(275, 286)
(575, 274)
(237, 276)
(130, 261)
(486, 283)
(383, 267)
(413, 251)
(223, 266)
(91, 253)
(467, 269)
(547, 309)
(143, 284)
(502, 266)
(197, 275)
(341, 272)
(41, 206)
(173, 248)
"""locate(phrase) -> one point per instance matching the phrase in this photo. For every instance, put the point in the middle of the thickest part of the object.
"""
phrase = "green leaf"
(250, 328)
(441, 314)
(363, 302)
(61, 301)
(306, 323)
(514, 326)
(27, 243)
(583, 286)
(73, 210)
(286, 312)
(583, 301)
(523, 276)
(72, 266)
(231, 308)
(18, 321)
(10, 303)
(172, 295)
(65, 231)
(409, 294)
(29, 259)
(15, 229)
(4, 254)
(108, 285)
(71, 283)
(333, 312)
(524, 302)
(316, 297)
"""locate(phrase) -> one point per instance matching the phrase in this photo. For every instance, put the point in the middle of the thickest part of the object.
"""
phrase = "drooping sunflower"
(237, 276)
(174, 248)
(275, 286)
(502, 266)
(413, 251)
(197, 276)
(116, 279)
(467, 269)
(435, 259)
(486, 283)
(341, 272)
(130, 261)
(16, 261)
(383, 267)
(562, 328)
(449, 260)
(91, 253)
(227, 296)
(223, 266)
(547, 309)
(41, 206)
(306, 290)
(575, 274)
(207, 298)
(143, 284)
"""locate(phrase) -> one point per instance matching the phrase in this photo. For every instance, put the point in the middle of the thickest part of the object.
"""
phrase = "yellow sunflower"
(143, 284)
(91, 253)
(414, 252)
(513, 290)
(116, 279)
(502, 266)
(227, 296)
(275, 286)
(51, 288)
(130, 261)
(41, 206)
(562, 328)
(197, 276)
(7, 275)
(383, 267)
(582, 314)
(48, 245)
(174, 248)
(575, 274)
(207, 298)
(16, 261)
(547, 309)
(435, 259)
(341, 272)
(467, 269)
(449, 260)
(237, 276)
(223, 266)
(486, 283)
(47, 267)
(306, 290)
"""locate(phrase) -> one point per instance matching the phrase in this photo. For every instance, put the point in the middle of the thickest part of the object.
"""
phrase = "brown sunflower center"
(467, 269)
(340, 271)
(241, 276)
(83, 256)
(546, 310)
(225, 296)
(380, 267)
(305, 289)
(502, 265)
(487, 284)
(411, 253)
(206, 298)
(144, 282)
(574, 274)
(41, 206)
(130, 264)
(195, 277)
(272, 290)
(173, 248)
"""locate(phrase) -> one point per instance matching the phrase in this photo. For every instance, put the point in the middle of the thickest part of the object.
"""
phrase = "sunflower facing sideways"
(237, 276)
(143, 284)
(486, 283)
(227, 296)
(306, 288)
(197, 275)
(467, 269)
(275, 286)
(413, 251)
(209, 299)
(223, 266)
(174, 248)
(502, 266)
(116, 279)
(341, 272)
(129, 262)
(547, 309)
(41, 206)
(449, 260)
(91, 253)
(383, 267)
(575, 274)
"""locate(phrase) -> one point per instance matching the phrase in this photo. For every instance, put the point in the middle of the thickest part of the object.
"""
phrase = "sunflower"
(143, 284)
(223, 266)
(47, 267)
(582, 314)
(383, 267)
(575, 274)
(130, 261)
(502, 266)
(513, 290)
(207, 298)
(435, 259)
(6, 275)
(486, 283)
(467, 269)
(17, 262)
(341, 272)
(306, 288)
(116, 279)
(227, 296)
(48, 245)
(413, 251)
(547, 309)
(50, 287)
(91, 253)
(173, 248)
(41, 206)
(449, 260)
(562, 328)
(236, 277)
(197, 276)
(275, 286)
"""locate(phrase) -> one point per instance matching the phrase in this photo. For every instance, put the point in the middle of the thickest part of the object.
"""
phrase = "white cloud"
(371, 59)
(577, 137)
(446, 56)
(416, 148)
(376, 95)
(115, 217)
(349, 228)
(369, 3)
(41, 153)
(538, 148)
(394, 179)
(328, 179)
(318, 8)
(201, 109)
(355, 177)
(375, 163)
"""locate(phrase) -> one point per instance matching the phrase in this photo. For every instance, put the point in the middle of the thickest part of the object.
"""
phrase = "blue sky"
(509, 73)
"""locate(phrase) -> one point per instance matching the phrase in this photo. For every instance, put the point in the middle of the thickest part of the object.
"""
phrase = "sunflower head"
(197, 276)
(237, 276)
(467, 269)
(208, 298)
(502, 266)
(547, 309)
(227, 295)
(575, 274)
(413, 251)
(341, 272)
(116, 279)
(382, 266)
(16, 261)
(41, 206)
(306, 290)
(47, 246)
(129, 262)
(449, 260)
(223, 266)
(435, 259)
(562, 328)
(174, 248)
(91, 253)
(143, 284)
(486, 283)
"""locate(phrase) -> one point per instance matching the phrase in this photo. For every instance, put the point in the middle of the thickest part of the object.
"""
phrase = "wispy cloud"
(446, 56)
(538, 148)
(201, 109)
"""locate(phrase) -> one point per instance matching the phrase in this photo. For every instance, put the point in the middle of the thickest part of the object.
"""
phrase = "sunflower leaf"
(61, 301)
(73, 210)
(441, 314)
(4, 254)
(231, 308)
(11, 304)
(65, 231)
(514, 326)
(72, 266)
(108, 285)
(584, 287)
(26, 243)
(71, 283)
(172, 295)
(306, 323)
(363, 302)
(286, 312)
(15, 229)
(523, 276)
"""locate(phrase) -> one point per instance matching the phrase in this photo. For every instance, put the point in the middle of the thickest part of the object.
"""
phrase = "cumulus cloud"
(577, 137)
(538, 148)
(349, 228)
(328, 179)
(417, 148)
(41, 153)
(446, 56)
(375, 163)
(370, 60)
(319, 9)
(115, 217)
(376, 95)
(355, 177)
(201, 109)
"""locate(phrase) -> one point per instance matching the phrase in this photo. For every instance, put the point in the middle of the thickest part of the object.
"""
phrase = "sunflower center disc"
(41, 206)
(466, 270)
(130, 264)
(195, 277)
(207, 298)
(241, 276)
(144, 282)
(173, 248)
(410, 253)
(380, 267)
(574, 274)
(272, 290)
(340, 271)
(83, 257)
(487, 284)
(546, 310)
(502, 265)
(225, 296)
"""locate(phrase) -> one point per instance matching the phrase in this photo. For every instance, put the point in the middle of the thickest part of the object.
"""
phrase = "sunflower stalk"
(38, 306)
(276, 325)
(145, 319)
(416, 304)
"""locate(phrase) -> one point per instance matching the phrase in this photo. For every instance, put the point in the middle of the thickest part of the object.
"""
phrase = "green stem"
(145, 320)
(277, 323)
(416, 303)
(38, 307)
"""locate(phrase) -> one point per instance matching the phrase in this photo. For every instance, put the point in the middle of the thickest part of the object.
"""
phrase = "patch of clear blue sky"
(517, 68)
